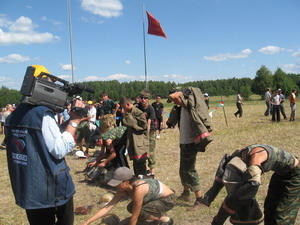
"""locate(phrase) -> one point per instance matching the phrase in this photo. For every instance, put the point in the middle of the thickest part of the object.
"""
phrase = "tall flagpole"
(145, 59)
(70, 32)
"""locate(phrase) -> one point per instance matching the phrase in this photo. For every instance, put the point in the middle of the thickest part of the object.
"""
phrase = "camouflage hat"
(145, 95)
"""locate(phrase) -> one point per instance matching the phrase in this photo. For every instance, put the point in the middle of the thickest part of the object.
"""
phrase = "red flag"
(154, 27)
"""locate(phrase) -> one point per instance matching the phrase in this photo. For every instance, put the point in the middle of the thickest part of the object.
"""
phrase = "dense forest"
(264, 79)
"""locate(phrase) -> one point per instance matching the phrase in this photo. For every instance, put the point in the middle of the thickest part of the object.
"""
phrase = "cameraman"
(39, 175)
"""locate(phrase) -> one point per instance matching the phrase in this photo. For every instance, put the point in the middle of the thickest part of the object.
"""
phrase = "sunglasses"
(142, 97)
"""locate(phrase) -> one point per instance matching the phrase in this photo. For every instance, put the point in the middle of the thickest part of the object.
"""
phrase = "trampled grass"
(252, 128)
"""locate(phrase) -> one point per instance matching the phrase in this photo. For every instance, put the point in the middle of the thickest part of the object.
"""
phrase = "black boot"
(221, 217)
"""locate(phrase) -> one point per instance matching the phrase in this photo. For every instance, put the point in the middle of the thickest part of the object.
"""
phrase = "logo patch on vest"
(19, 155)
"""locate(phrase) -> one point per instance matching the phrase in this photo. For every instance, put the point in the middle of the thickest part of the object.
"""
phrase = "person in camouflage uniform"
(114, 141)
(282, 202)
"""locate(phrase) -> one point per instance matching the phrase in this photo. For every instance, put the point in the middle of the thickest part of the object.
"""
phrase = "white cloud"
(118, 76)
(271, 50)
(296, 54)
(22, 31)
(66, 77)
(227, 56)
(10, 83)
(128, 62)
(92, 78)
(14, 58)
(291, 68)
(91, 20)
(175, 77)
(104, 8)
(54, 22)
(67, 67)
(22, 24)
(4, 22)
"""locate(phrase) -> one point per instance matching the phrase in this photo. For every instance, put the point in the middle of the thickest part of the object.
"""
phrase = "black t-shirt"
(150, 115)
(158, 107)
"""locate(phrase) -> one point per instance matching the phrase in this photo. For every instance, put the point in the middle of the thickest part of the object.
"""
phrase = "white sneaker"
(158, 136)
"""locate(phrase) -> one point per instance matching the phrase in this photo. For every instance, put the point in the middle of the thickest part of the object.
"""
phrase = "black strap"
(256, 152)
(140, 184)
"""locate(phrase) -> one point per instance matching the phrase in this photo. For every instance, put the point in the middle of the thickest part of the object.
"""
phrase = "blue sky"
(207, 39)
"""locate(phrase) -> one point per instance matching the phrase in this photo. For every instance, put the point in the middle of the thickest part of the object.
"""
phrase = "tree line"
(223, 87)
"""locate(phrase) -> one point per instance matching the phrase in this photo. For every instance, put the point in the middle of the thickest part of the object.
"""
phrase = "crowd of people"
(132, 128)
(275, 104)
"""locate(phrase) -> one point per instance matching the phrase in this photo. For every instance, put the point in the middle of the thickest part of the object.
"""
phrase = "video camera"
(42, 90)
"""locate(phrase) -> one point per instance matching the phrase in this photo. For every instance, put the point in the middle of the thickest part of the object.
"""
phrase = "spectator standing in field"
(239, 103)
(109, 108)
(206, 99)
(65, 115)
(159, 110)
(137, 136)
(2, 120)
(86, 128)
(281, 106)
(150, 116)
(6, 113)
(268, 95)
(92, 111)
(195, 128)
(275, 100)
(292, 99)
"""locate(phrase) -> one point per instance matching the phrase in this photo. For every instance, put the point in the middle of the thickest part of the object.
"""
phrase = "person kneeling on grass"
(150, 198)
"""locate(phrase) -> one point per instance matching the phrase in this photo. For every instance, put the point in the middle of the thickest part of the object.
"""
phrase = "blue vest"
(38, 179)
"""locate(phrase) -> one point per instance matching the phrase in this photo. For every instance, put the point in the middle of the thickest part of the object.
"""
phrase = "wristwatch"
(73, 124)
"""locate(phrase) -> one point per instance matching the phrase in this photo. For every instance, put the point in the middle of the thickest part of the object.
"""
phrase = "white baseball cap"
(80, 154)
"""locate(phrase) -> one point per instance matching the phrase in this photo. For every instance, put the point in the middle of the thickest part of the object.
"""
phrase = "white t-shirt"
(92, 111)
(276, 100)
(267, 96)
(239, 98)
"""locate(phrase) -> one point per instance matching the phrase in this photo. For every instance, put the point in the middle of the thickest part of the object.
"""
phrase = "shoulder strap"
(250, 155)
(140, 184)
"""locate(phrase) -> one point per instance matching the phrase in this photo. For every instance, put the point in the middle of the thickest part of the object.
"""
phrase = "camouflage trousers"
(155, 208)
(187, 171)
(152, 143)
(283, 199)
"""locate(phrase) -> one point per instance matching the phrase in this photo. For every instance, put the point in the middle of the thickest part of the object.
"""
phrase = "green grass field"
(252, 128)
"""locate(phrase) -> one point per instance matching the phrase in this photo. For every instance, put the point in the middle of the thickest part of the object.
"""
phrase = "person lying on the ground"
(150, 198)
(282, 202)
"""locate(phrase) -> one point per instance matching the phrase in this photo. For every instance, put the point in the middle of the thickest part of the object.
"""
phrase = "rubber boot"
(221, 217)
(212, 193)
